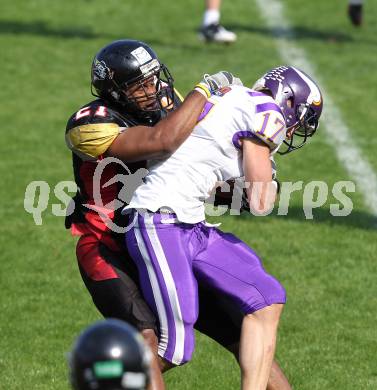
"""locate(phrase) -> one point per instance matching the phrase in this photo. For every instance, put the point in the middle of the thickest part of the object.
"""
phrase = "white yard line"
(338, 134)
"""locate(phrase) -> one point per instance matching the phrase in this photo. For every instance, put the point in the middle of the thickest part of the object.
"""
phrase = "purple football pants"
(171, 256)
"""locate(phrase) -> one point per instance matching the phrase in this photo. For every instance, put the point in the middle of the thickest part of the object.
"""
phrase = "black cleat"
(355, 13)
(216, 33)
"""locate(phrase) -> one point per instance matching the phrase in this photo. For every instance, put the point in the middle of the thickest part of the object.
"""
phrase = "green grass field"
(328, 333)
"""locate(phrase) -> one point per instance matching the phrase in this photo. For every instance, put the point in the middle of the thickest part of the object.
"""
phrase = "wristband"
(203, 90)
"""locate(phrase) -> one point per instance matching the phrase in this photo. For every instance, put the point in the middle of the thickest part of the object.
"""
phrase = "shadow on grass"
(41, 28)
(299, 32)
(357, 219)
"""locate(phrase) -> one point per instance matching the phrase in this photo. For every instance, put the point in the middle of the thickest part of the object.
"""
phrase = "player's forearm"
(261, 197)
(261, 191)
(172, 131)
(144, 143)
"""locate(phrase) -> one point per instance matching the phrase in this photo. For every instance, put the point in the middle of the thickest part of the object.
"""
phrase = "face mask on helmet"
(151, 93)
(129, 73)
(300, 101)
(306, 126)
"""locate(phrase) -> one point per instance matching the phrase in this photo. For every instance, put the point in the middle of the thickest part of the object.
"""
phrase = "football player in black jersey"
(135, 92)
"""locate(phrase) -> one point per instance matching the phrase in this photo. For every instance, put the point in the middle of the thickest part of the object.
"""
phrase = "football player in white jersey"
(174, 247)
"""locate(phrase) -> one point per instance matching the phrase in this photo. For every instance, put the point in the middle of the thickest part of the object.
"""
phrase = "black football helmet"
(123, 64)
(299, 99)
(109, 355)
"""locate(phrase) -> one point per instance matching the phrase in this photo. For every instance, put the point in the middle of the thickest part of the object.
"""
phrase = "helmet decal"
(276, 74)
(134, 380)
(101, 71)
(150, 68)
(108, 369)
(141, 55)
(315, 94)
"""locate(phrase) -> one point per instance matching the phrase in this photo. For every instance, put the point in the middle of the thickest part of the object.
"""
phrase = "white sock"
(211, 16)
(355, 2)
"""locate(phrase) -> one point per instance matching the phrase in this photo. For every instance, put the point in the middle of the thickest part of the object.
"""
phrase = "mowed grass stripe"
(338, 134)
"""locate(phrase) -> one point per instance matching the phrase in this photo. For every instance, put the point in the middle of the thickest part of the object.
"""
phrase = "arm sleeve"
(91, 140)
(265, 122)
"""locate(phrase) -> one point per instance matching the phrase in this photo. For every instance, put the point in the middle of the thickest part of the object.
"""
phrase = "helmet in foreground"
(300, 100)
(111, 355)
(125, 65)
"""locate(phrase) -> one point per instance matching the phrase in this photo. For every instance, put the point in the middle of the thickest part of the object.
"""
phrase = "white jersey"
(212, 153)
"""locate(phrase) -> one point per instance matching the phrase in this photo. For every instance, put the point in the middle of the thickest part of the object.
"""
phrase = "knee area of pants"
(184, 358)
(281, 293)
(187, 358)
(189, 321)
(276, 293)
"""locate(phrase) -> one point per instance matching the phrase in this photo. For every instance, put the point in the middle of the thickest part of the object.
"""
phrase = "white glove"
(212, 83)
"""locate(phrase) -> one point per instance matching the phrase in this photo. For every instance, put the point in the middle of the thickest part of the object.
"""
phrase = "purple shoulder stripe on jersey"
(206, 109)
(255, 93)
(267, 107)
(241, 134)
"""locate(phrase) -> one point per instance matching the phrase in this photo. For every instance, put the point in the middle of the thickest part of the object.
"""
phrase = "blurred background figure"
(355, 11)
(111, 355)
(211, 29)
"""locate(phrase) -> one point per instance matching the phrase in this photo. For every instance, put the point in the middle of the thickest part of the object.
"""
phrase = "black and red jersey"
(89, 133)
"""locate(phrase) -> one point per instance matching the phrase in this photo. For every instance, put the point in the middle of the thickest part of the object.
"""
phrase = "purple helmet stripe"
(303, 91)
(267, 107)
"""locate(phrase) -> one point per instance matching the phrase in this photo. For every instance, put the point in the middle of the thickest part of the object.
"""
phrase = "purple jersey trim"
(169, 352)
(241, 134)
(206, 109)
(267, 107)
(255, 93)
